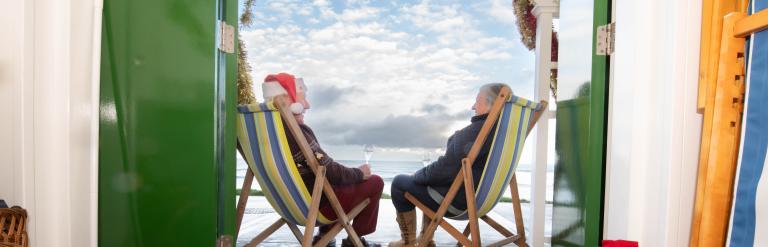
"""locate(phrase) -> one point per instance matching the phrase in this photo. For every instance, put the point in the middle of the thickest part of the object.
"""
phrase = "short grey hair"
(491, 91)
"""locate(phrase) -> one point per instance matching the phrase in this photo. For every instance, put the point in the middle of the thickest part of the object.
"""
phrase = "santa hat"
(284, 83)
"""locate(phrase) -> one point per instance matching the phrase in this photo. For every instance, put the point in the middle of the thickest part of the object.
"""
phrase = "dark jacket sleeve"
(337, 174)
(446, 167)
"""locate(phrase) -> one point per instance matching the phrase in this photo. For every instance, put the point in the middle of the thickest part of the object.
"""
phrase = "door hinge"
(605, 39)
(224, 241)
(226, 37)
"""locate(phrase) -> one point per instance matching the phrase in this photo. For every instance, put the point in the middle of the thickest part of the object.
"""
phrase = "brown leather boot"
(424, 223)
(407, 222)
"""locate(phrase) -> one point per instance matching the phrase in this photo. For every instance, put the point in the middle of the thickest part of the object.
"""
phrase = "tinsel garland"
(526, 23)
(244, 79)
(553, 71)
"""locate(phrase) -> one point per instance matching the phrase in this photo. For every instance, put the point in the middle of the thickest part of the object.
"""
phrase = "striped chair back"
(512, 126)
(262, 136)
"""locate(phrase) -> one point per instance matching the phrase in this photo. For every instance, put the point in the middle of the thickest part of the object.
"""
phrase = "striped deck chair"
(516, 117)
(262, 140)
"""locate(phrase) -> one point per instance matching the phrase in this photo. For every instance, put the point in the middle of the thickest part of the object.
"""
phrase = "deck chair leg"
(444, 224)
(336, 228)
(466, 230)
(469, 189)
(518, 212)
(314, 207)
(286, 115)
(466, 234)
(438, 217)
(295, 230)
(341, 216)
(263, 235)
(498, 227)
(509, 237)
(243, 199)
(326, 238)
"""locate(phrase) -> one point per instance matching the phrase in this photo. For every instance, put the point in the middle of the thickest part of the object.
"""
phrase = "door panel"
(160, 137)
(581, 121)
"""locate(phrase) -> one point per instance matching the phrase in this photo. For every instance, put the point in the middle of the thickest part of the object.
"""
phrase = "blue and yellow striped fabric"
(512, 126)
(263, 139)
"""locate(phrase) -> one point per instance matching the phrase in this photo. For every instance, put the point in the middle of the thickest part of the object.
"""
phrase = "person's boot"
(348, 243)
(424, 224)
(332, 243)
(407, 223)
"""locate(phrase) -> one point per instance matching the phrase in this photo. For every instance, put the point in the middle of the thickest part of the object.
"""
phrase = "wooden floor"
(259, 215)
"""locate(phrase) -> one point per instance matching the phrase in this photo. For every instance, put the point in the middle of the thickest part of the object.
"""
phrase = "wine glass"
(426, 159)
(368, 152)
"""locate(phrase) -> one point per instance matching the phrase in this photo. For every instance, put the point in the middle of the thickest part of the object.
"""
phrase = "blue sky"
(399, 75)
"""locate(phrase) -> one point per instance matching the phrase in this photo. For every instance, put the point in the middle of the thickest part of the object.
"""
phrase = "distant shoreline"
(386, 196)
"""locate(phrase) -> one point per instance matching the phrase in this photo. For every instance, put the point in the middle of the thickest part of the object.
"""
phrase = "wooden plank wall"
(721, 92)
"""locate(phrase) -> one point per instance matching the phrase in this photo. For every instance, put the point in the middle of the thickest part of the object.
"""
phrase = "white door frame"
(51, 64)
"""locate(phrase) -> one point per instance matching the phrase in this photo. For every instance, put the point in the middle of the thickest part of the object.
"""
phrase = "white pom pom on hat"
(297, 108)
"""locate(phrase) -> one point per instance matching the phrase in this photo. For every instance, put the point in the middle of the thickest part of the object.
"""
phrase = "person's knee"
(377, 183)
(399, 185)
(401, 180)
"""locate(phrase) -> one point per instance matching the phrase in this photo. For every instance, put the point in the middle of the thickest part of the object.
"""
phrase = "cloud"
(390, 75)
(503, 11)
(356, 2)
(401, 131)
(326, 97)
(347, 55)
(405, 131)
(324, 7)
(364, 13)
(435, 18)
(434, 108)
(285, 9)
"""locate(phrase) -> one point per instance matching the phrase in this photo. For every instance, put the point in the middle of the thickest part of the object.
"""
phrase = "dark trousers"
(404, 183)
(352, 195)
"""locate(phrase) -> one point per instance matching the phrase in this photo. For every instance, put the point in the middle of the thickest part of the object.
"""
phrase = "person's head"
(485, 97)
(287, 84)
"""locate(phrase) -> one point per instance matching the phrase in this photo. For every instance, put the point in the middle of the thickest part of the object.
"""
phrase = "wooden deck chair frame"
(465, 179)
(321, 187)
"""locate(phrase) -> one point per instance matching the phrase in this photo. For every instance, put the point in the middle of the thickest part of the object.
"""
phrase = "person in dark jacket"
(431, 183)
(351, 185)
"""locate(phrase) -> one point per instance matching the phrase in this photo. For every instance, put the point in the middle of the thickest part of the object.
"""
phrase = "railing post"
(545, 11)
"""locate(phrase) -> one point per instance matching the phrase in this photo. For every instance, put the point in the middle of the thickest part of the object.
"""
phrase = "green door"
(581, 125)
(166, 140)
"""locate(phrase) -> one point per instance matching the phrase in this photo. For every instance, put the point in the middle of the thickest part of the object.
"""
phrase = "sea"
(387, 170)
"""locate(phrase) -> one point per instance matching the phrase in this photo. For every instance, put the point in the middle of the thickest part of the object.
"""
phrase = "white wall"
(654, 129)
(15, 91)
(49, 64)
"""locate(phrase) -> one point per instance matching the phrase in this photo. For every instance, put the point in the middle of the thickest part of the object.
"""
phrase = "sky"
(400, 75)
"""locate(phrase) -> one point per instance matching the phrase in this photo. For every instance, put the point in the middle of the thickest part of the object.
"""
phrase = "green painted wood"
(581, 128)
(227, 134)
(598, 133)
(166, 146)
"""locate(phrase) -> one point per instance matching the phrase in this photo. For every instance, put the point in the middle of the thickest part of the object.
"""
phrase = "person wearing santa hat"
(351, 185)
